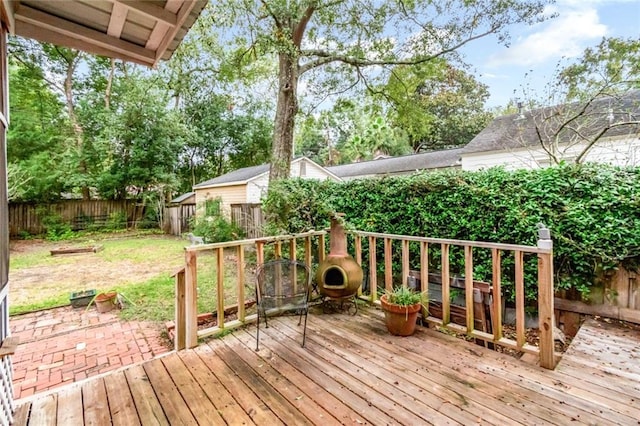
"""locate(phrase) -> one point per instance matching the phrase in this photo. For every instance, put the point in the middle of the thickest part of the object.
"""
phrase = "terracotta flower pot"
(401, 320)
(105, 302)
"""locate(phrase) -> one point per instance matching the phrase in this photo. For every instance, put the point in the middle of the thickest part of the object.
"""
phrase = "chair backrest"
(282, 283)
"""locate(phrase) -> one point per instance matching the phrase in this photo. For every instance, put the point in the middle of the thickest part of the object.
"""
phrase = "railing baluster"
(191, 299)
(497, 295)
(307, 251)
(519, 280)
(373, 273)
(321, 248)
(405, 262)
(220, 285)
(260, 252)
(277, 251)
(388, 266)
(468, 286)
(446, 302)
(292, 249)
(424, 275)
(357, 242)
(240, 270)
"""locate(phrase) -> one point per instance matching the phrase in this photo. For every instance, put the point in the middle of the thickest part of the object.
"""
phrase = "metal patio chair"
(282, 287)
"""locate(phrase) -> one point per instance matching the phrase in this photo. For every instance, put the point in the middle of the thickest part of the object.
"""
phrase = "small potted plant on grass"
(401, 307)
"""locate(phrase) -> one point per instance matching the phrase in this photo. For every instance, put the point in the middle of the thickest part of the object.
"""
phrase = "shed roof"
(403, 164)
(183, 197)
(522, 130)
(237, 176)
(144, 32)
(244, 175)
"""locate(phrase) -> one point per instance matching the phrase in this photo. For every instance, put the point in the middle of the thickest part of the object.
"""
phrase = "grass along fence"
(423, 253)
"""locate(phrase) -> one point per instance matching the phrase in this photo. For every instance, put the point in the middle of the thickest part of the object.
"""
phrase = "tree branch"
(325, 57)
(600, 135)
(270, 12)
(31, 66)
(299, 30)
(544, 147)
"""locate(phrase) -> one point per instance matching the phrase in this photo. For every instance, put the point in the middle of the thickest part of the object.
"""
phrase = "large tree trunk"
(286, 111)
(75, 124)
(107, 91)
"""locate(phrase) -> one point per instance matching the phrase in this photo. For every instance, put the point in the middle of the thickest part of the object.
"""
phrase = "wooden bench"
(482, 302)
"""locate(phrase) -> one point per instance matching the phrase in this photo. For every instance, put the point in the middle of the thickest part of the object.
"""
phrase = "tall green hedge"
(593, 212)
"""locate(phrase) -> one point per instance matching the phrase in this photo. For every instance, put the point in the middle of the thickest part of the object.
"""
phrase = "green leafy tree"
(341, 44)
(612, 67)
(353, 130)
(39, 138)
(223, 136)
(370, 136)
(60, 68)
(437, 105)
(144, 138)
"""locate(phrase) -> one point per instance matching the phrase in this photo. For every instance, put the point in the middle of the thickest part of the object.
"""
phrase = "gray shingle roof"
(515, 131)
(183, 197)
(240, 175)
(398, 165)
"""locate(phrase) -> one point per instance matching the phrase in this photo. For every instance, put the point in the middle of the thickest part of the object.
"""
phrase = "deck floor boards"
(351, 371)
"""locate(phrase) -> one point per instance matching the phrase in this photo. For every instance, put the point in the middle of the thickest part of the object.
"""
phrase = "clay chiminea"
(339, 275)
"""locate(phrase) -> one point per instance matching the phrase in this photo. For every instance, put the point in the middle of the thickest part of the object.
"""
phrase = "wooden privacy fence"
(229, 288)
(179, 218)
(248, 217)
(79, 214)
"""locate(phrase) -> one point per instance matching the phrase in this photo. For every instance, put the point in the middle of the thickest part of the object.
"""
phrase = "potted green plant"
(401, 307)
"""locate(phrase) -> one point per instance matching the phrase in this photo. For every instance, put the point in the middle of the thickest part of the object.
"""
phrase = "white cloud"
(565, 36)
(494, 76)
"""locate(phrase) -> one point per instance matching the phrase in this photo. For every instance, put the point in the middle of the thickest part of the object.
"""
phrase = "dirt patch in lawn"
(120, 263)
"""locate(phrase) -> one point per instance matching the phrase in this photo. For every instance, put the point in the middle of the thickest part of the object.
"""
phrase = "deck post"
(180, 319)
(545, 299)
(191, 300)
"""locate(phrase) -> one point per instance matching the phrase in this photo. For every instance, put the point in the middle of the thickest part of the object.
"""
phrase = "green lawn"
(138, 267)
(130, 264)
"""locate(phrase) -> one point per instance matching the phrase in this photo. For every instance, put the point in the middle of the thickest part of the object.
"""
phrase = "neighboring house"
(607, 129)
(248, 185)
(403, 165)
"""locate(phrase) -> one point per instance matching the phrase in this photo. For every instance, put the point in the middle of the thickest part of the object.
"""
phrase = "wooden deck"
(353, 372)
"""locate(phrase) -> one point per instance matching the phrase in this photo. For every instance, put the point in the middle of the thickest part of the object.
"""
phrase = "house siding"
(307, 170)
(618, 152)
(256, 188)
(232, 194)
(302, 168)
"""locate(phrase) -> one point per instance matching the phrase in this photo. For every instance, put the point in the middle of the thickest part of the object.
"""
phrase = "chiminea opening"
(334, 277)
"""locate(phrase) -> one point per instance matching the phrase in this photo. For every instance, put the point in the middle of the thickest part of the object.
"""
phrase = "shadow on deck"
(353, 372)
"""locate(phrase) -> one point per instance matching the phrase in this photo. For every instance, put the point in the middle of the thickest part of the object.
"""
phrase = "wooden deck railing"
(414, 251)
(543, 250)
(186, 322)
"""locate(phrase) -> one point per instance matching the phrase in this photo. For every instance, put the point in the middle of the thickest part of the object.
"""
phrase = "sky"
(534, 52)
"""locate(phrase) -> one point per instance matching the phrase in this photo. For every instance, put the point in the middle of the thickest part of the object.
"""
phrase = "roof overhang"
(222, 185)
(143, 32)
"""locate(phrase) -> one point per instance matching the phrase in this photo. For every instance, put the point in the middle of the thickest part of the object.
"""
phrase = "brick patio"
(63, 345)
